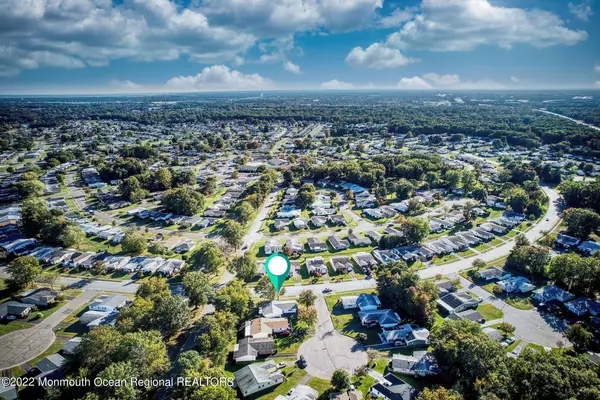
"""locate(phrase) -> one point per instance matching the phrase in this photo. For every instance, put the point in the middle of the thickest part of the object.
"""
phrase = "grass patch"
(293, 375)
(11, 326)
(489, 312)
(320, 385)
(364, 384)
(522, 303)
(53, 349)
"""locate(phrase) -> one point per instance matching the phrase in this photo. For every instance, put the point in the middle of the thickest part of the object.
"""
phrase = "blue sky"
(133, 46)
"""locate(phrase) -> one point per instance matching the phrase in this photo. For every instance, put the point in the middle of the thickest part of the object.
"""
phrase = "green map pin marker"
(277, 267)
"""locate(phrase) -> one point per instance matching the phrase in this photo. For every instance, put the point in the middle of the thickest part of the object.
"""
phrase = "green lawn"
(348, 324)
(289, 344)
(364, 384)
(17, 325)
(445, 260)
(293, 375)
(522, 303)
(489, 312)
(380, 365)
(53, 349)
(320, 385)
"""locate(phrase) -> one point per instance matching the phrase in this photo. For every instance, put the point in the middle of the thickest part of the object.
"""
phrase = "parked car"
(282, 365)
(327, 290)
(302, 362)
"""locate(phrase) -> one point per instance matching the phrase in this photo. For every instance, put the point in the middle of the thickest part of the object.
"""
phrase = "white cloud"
(515, 79)
(291, 67)
(413, 83)
(450, 81)
(442, 80)
(597, 68)
(397, 17)
(377, 56)
(79, 33)
(124, 85)
(219, 77)
(272, 18)
(336, 85)
(583, 11)
(462, 25)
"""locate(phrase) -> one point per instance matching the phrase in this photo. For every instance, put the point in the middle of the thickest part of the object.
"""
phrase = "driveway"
(328, 349)
(530, 325)
(21, 346)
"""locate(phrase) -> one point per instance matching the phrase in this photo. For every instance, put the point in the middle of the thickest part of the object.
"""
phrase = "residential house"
(337, 220)
(453, 303)
(482, 233)
(40, 297)
(278, 309)
(108, 303)
(589, 247)
(341, 264)
(552, 294)
(495, 228)
(364, 260)
(254, 378)
(358, 241)
(316, 266)
(71, 346)
(374, 236)
(384, 318)
(300, 392)
(281, 224)
(249, 348)
(470, 315)
(15, 308)
(300, 223)
(316, 245)
(265, 327)
(185, 246)
(393, 388)
(317, 221)
(294, 246)
(445, 287)
(273, 246)
(50, 363)
(364, 302)
(566, 241)
(407, 335)
(493, 273)
(582, 306)
(418, 364)
(516, 284)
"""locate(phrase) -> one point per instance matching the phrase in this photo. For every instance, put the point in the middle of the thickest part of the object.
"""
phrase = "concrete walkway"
(21, 346)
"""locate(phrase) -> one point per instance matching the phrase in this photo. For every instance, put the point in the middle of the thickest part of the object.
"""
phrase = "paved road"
(21, 346)
(530, 325)
(328, 349)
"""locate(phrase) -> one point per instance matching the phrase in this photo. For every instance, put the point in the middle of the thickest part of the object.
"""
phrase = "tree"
(234, 298)
(439, 393)
(48, 278)
(307, 315)
(479, 193)
(469, 212)
(233, 233)
(118, 372)
(306, 196)
(529, 259)
(210, 186)
(172, 313)
(340, 380)
(414, 229)
(579, 336)
(183, 201)
(218, 330)
(23, 272)
(34, 215)
(71, 235)
(478, 263)
(131, 189)
(162, 179)
(146, 351)
(404, 189)
(581, 222)
(265, 289)
(244, 266)
(242, 212)
(307, 298)
(469, 180)
(197, 288)
(518, 199)
(505, 328)
(31, 188)
(140, 315)
(97, 349)
(153, 289)
(576, 273)
(133, 242)
(452, 178)
(208, 258)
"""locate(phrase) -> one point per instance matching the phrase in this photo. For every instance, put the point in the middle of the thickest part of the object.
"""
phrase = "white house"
(108, 303)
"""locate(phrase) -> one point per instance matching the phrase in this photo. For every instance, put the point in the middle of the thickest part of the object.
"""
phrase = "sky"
(143, 46)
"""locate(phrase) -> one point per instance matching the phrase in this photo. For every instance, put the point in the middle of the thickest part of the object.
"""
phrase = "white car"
(281, 365)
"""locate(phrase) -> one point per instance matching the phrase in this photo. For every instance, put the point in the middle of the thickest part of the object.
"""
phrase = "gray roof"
(397, 389)
(51, 363)
(255, 374)
(254, 346)
(109, 300)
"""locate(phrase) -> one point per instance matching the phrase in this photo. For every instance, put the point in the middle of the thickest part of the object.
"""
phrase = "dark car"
(302, 362)
(327, 290)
